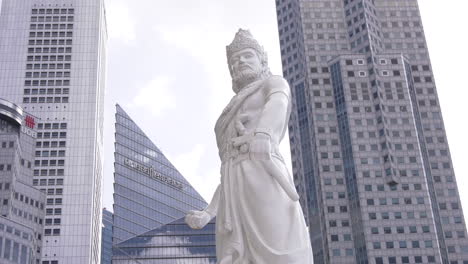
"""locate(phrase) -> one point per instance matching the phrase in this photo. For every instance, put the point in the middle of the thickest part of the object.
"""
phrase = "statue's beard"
(242, 78)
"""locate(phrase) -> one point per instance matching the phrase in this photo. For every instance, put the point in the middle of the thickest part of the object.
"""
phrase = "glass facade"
(149, 192)
(107, 227)
(370, 156)
(172, 243)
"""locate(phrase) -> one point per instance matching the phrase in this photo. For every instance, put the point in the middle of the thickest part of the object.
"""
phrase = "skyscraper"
(52, 64)
(106, 238)
(368, 145)
(22, 205)
(149, 192)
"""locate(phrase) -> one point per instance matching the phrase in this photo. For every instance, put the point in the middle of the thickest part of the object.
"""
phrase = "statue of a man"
(259, 219)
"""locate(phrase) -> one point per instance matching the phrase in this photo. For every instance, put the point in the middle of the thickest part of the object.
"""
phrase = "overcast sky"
(167, 69)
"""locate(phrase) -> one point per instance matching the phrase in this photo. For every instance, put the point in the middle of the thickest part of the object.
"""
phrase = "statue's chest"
(252, 109)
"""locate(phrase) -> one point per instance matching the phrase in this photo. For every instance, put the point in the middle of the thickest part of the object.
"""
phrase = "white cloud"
(121, 24)
(203, 180)
(189, 163)
(156, 96)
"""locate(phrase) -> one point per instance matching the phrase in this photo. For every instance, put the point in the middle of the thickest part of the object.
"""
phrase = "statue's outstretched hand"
(197, 219)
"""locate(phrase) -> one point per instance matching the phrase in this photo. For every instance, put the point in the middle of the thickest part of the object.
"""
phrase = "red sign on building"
(30, 122)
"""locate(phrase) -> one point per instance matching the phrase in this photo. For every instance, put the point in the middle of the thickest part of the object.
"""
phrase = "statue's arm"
(199, 219)
(273, 118)
(212, 208)
(274, 114)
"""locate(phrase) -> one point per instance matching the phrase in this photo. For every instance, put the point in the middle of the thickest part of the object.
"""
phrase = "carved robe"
(257, 222)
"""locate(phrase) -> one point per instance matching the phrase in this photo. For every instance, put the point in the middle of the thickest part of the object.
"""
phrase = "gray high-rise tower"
(368, 145)
(52, 55)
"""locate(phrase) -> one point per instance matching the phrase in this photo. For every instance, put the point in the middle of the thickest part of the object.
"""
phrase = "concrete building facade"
(21, 204)
(370, 154)
(53, 65)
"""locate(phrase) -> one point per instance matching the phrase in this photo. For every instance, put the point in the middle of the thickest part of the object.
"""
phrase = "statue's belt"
(236, 155)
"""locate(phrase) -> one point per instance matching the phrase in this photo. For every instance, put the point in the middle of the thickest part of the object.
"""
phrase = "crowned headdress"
(243, 40)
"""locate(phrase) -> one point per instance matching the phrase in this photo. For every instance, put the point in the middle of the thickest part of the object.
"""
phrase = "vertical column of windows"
(349, 164)
(428, 172)
(49, 171)
(48, 81)
(403, 33)
(49, 54)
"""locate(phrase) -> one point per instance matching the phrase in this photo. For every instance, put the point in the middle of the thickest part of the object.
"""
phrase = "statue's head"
(247, 60)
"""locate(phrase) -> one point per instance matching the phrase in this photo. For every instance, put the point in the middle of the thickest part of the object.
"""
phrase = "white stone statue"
(258, 217)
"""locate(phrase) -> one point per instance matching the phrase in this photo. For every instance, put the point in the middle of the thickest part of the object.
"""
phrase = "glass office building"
(369, 149)
(106, 244)
(53, 64)
(21, 205)
(172, 243)
(149, 192)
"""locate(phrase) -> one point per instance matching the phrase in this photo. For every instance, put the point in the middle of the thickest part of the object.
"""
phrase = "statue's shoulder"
(274, 84)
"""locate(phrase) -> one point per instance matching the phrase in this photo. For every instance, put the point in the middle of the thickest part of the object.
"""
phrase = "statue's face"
(245, 61)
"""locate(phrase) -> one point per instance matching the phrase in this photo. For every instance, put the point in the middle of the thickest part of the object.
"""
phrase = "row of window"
(400, 229)
(50, 172)
(52, 191)
(14, 251)
(415, 259)
(46, 42)
(34, 100)
(11, 230)
(453, 206)
(50, 50)
(41, 126)
(52, 135)
(403, 244)
(36, 19)
(369, 109)
(55, 221)
(8, 144)
(43, 91)
(51, 144)
(26, 215)
(52, 201)
(50, 262)
(47, 83)
(51, 232)
(5, 167)
(381, 187)
(30, 201)
(46, 66)
(50, 26)
(396, 201)
(52, 153)
(54, 34)
(47, 74)
(460, 234)
(50, 58)
(404, 24)
(54, 211)
(388, 158)
(325, 81)
(50, 11)
(45, 163)
(4, 186)
(50, 182)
